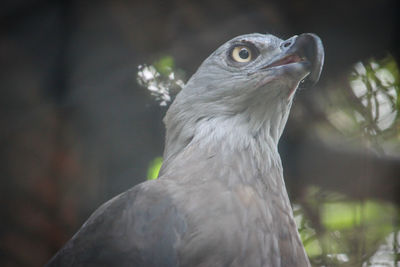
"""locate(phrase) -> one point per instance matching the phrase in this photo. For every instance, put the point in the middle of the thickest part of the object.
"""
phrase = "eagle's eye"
(242, 54)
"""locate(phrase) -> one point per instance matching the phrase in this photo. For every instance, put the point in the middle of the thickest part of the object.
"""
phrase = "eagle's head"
(246, 86)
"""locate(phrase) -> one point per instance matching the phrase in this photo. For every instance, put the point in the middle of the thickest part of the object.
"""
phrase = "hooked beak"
(306, 49)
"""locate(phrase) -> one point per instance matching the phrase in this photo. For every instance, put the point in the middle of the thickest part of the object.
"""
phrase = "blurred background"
(78, 124)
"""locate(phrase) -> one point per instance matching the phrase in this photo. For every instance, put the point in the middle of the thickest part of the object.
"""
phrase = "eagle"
(220, 198)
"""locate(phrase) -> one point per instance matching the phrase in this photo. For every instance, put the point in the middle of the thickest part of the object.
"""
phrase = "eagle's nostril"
(287, 44)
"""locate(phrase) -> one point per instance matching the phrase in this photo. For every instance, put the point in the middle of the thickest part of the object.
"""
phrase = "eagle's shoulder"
(136, 228)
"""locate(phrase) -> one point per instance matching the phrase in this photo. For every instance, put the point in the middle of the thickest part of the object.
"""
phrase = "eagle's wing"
(137, 228)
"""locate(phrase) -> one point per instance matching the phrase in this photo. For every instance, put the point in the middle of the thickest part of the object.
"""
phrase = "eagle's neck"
(226, 144)
(254, 131)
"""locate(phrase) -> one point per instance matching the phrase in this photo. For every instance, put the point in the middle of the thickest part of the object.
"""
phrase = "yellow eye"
(242, 54)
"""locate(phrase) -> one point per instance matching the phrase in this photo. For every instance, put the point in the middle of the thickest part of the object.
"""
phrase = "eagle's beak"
(306, 48)
(309, 46)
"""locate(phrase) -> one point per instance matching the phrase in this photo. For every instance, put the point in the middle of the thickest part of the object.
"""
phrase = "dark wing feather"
(137, 228)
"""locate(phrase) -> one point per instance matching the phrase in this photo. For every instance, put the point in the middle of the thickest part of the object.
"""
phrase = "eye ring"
(242, 54)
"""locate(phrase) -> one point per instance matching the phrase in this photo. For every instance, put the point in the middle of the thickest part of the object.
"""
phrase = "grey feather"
(220, 199)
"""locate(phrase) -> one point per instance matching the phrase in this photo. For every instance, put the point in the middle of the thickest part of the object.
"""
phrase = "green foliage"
(370, 104)
(345, 215)
(164, 65)
(154, 168)
(337, 231)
